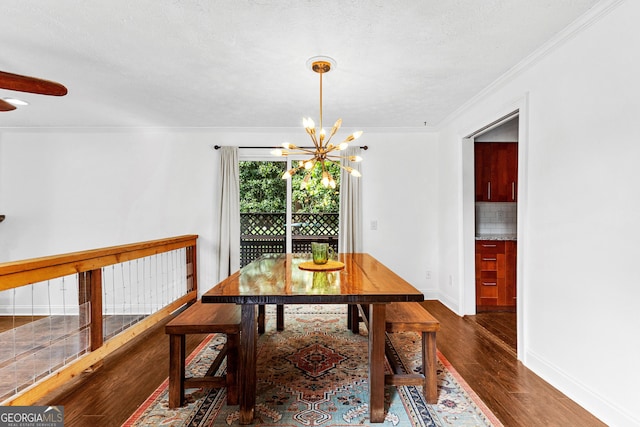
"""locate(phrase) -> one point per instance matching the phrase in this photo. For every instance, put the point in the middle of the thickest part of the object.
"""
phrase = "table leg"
(247, 372)
(353, 322)
(376, 362)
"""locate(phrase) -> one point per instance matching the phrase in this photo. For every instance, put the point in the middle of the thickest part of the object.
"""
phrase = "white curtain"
(228, 207)
(350, 206)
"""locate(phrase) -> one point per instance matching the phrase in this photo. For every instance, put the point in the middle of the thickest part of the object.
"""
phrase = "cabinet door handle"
(489, 259)
(489, 284)
(488, 246)
(513, 190)
(489, 190)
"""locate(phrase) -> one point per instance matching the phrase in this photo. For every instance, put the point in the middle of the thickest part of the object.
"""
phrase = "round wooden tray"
(329, 266)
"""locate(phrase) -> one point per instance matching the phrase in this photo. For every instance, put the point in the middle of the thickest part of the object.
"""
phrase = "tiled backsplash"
(496, 218)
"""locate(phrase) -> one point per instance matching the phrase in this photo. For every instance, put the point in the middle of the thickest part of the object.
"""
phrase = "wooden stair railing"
(88, 265)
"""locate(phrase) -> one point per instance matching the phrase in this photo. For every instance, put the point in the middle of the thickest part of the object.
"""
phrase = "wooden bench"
(202, 318)
(411, 317)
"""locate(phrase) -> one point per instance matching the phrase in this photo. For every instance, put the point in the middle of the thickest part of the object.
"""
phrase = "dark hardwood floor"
(488, 363)
(107, 396)
(9, 322)
(518, 397)
(501, 325)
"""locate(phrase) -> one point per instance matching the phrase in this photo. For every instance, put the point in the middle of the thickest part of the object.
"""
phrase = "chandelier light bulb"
(276, 152)
(308, 165)
(343, 146)
(355, 158)
(305, 182)
(355, 173)
(308, 123)
(335, 127)
(325, 178)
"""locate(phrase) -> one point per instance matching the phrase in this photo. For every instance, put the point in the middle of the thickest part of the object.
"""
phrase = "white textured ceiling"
(241, 63)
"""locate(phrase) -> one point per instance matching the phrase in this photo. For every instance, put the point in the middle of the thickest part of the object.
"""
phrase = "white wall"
(65, 191)
(400, 193)
(70, 190)
(578, 225)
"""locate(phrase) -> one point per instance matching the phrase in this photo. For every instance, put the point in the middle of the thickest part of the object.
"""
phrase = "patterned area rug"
(314, 373)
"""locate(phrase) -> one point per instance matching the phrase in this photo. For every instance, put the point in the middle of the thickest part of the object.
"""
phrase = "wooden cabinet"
(495, 275)
(496, 171)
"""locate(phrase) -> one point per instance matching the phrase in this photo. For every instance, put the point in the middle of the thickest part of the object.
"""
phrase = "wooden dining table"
(278, 279)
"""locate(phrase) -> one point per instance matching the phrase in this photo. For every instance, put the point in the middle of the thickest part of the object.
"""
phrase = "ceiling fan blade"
(31, 84)
(5, 106)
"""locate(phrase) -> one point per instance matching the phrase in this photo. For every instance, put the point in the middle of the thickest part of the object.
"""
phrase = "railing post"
(95, 298)
(192, 269)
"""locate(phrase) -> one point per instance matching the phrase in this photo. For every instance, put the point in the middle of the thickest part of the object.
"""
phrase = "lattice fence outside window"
(264, 233)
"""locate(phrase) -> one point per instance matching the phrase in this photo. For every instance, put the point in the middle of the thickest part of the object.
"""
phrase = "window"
(278, 216)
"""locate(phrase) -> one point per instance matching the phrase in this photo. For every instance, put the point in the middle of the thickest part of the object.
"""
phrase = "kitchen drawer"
(488, 262)
(490, 246)
(488, 291)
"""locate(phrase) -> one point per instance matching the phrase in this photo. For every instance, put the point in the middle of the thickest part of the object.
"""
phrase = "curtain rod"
(217, 147)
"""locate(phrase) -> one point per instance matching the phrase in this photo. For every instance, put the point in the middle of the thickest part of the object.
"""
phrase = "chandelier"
(323, 152)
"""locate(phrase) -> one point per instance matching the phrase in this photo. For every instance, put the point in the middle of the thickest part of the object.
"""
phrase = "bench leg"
(280, 317)
(430, 386)
(176, 370)
(261, 319)
(233, 344)
(354, 314)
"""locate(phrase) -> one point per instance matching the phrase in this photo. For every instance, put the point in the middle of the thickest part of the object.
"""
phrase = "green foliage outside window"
(316, 198)
(262, 189)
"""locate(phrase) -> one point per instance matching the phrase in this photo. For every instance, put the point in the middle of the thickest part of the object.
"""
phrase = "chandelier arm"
(326, 144)
(335, 156)
(314, 139)
(333, 148)
(338, 163)
(348, 169)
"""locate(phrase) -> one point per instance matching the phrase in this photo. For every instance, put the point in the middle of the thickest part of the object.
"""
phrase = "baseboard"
(599, 405)
(450, 303)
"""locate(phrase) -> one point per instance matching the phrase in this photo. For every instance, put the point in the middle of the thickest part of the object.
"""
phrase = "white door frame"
(467, 302)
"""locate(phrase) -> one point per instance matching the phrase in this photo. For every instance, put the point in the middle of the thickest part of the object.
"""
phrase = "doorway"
(496, 199)
(507, 128)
